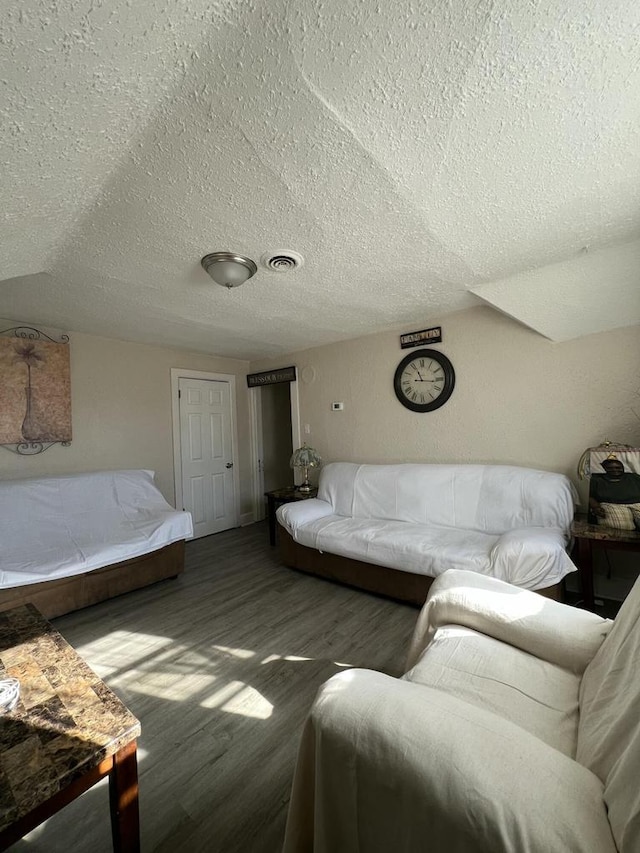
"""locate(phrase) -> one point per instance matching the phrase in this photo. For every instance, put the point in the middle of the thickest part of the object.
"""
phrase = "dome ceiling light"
(228, 269)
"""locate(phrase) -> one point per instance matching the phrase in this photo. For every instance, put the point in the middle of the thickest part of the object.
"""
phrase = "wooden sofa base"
(392, 583)
(64, 595)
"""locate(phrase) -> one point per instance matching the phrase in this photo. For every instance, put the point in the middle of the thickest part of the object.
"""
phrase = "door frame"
(178, 373)
(255, 422)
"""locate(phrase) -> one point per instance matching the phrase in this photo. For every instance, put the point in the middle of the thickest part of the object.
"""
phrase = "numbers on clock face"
(422, 380)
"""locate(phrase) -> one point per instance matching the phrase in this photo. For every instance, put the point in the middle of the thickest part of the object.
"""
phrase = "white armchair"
(516, 728)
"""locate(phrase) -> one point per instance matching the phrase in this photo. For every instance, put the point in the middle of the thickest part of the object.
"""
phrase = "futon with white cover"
(72, 540)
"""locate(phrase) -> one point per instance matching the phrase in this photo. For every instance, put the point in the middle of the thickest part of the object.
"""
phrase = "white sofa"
(516, 729)
(420, 520)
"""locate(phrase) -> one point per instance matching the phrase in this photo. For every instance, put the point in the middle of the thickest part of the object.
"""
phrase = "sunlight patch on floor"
(249, 703)
(127, 647)
(298, 659)
(174, 686)
(157, 666)
(240, 698)
(237, 653)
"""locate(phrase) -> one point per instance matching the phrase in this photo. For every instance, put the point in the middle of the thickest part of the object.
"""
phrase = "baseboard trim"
(246, 518)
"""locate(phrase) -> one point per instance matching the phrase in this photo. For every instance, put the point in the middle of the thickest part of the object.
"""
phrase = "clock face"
(424, 380)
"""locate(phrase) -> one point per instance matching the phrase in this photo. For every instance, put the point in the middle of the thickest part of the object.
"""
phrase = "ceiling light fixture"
(228, 269)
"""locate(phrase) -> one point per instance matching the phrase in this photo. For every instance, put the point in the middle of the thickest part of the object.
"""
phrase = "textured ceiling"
(422, 157)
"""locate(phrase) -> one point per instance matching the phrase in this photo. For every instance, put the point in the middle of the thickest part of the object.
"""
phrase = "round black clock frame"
(421, 358)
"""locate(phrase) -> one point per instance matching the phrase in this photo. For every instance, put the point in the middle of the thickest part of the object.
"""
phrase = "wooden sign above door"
(271, 377)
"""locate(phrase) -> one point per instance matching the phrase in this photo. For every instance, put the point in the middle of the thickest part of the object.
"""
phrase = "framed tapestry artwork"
(35, 390)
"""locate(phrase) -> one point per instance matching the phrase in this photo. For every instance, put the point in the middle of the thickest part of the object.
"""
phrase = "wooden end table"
(589, 537)
(276, 498)
(67, 732)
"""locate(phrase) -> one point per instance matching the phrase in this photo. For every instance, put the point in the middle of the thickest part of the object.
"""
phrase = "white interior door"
(206, 451)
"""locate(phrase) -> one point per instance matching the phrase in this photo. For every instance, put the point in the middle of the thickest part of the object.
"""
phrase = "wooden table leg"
(585, 570)
(123, 799)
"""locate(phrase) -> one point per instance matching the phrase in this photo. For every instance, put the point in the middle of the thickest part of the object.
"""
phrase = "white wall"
(121, 413)
(519, 398)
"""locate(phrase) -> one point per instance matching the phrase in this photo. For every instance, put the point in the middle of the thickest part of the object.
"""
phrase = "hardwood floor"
(221, 666)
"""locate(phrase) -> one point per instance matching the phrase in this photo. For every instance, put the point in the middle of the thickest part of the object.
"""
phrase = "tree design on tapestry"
(32, 429)
(35, 391)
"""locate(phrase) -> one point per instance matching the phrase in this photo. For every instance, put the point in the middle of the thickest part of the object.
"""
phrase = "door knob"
(229, 465)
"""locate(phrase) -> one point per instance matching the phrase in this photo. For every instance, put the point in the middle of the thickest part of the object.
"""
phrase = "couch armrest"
(389, 765)
(294, 515)
(531, 557)
(554, 632)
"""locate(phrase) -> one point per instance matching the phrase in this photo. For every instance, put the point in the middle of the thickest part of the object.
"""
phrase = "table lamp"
(305, 457)
(592, 458)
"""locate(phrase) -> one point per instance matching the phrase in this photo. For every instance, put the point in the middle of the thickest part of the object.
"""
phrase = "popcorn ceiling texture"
(423, 158)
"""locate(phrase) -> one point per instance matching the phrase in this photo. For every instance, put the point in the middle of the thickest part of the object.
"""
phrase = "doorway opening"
(275, 423)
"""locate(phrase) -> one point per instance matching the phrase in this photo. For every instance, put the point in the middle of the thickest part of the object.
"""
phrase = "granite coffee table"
(67, 732)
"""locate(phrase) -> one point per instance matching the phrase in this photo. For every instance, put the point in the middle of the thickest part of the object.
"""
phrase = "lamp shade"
(593, 457)
(305, 457)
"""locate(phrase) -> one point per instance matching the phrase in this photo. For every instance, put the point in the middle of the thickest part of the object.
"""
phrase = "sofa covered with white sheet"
(72, 540)
(393, 528)
(516, 727)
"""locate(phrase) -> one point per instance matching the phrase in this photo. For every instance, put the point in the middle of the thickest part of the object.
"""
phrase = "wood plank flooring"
(221, 666)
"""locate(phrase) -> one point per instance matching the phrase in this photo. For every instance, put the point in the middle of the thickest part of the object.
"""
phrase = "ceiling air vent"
(284, 261)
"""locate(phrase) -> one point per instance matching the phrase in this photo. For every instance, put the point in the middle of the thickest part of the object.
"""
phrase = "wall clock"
(424, 380)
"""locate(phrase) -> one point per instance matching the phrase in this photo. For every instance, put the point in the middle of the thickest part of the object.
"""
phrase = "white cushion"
(539, 696)
(411, 547)
(485, 498)
(296, 515)
(531, 557)
(619, 516)
(423, 549)
(563, 635)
